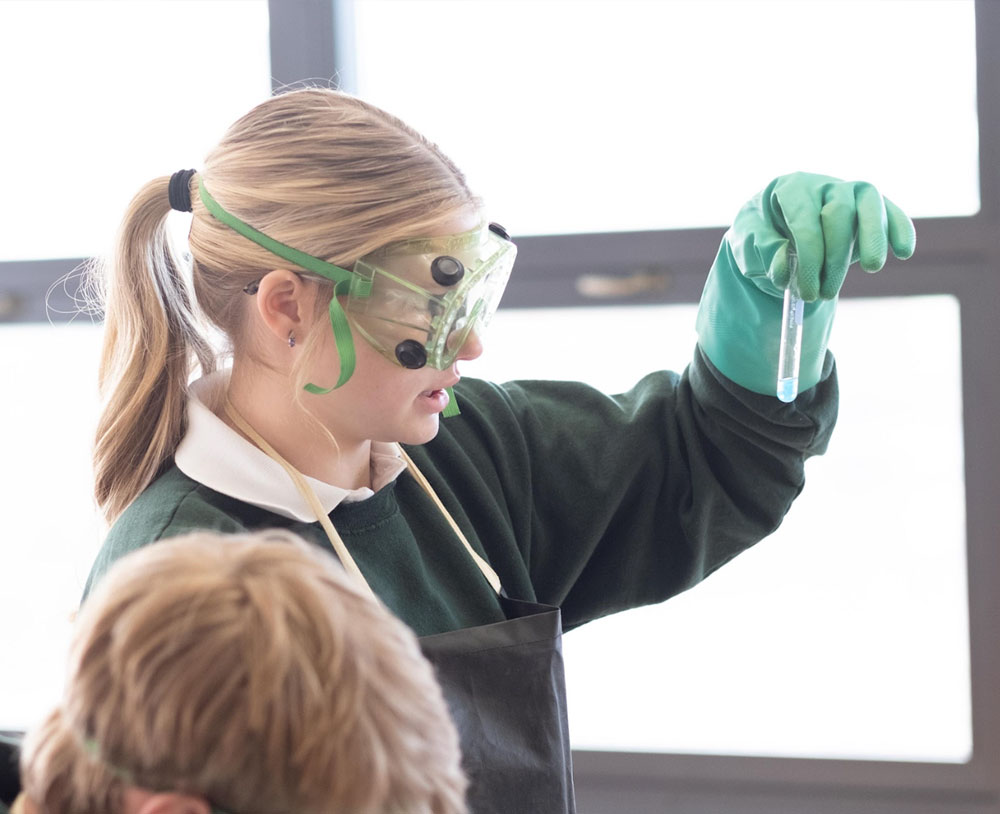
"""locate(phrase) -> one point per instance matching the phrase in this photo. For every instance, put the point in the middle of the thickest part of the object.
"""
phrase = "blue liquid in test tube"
(791, 334)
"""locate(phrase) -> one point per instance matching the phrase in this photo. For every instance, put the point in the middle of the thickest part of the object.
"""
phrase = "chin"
(426, 431)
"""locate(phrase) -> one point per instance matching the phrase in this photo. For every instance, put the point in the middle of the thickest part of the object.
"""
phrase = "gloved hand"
(831, 224)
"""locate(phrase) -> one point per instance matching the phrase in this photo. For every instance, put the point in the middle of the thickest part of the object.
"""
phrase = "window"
(624, 115)
(610, 141)
(857, 605)
(119, 94)
(46, 486)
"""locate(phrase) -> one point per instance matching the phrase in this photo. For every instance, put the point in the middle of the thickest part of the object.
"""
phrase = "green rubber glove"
(831, 224)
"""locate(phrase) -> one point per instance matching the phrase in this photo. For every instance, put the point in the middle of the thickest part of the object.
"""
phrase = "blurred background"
(847, 663)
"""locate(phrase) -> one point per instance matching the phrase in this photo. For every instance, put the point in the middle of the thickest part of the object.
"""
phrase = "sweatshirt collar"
(217, 456)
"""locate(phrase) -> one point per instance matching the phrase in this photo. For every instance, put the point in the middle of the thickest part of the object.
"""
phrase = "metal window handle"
(651, 280)
(10, 305)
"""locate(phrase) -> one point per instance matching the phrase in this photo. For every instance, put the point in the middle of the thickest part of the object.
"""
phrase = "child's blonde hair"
(315, 169)
(251, 671)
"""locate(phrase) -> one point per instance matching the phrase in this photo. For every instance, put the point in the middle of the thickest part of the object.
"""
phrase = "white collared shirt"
(217, 456)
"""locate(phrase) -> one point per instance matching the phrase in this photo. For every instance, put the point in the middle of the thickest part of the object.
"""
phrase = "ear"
(164, 803)
(284, 302)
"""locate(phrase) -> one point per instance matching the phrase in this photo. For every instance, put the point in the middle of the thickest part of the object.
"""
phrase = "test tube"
(791, 334)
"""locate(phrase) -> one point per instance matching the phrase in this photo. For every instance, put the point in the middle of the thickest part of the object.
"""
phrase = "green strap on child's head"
(93, 748)
(341, 278)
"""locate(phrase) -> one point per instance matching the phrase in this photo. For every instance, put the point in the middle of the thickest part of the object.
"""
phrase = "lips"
(443, 387)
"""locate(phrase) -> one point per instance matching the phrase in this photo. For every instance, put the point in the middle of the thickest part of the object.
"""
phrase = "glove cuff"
(739, 329)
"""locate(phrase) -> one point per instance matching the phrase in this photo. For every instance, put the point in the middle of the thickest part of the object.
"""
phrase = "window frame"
(310, 41)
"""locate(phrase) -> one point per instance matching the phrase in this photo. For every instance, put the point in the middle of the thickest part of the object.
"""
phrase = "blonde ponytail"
(151, 339)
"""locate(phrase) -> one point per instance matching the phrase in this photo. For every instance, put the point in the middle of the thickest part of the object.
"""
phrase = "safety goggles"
(415, 301)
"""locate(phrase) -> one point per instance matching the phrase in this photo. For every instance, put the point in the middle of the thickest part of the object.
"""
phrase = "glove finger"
(839, 219)
(902, 235)
(779, 272)
(873, 227)
(800, 209)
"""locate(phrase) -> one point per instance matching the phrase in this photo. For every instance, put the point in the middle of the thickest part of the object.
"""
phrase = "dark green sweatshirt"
(591, 502)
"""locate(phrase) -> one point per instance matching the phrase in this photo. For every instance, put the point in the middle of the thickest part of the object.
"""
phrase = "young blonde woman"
(242, 674)
(351, 270)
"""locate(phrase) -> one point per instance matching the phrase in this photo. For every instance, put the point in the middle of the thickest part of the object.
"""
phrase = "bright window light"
(102, 96)
(54, 533)
(620, 115)
(845, 633)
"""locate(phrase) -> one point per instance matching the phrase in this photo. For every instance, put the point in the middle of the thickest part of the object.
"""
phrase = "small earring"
(291, 339)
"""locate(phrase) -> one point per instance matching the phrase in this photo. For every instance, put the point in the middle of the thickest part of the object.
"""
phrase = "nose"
(472, 347)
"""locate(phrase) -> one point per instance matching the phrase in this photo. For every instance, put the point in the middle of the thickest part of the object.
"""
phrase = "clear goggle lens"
(417, 302)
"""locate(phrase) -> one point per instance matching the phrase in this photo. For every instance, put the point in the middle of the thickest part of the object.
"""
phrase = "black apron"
(503, 682)
(506, 692)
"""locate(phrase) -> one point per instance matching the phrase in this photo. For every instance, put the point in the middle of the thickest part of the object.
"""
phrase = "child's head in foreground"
(248, 674)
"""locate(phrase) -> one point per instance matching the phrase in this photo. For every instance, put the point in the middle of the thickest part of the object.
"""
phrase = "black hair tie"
(179, 190)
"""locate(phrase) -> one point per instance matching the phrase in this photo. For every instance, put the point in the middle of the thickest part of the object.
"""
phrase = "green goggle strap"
(342, 336)
(92, 748)
(452, 408)
(341, 278)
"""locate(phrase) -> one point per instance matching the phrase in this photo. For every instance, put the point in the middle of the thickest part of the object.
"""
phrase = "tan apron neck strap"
(309, 495)
(485, 567)
(307, 492)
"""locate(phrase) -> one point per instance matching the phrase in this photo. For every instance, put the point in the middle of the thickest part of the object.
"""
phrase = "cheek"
(379, 386)
(380, 375)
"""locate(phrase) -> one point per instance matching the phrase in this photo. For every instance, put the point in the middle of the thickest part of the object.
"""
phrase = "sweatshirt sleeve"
(626, 500)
